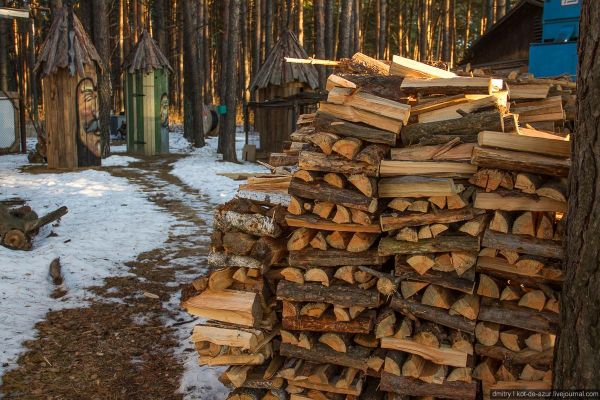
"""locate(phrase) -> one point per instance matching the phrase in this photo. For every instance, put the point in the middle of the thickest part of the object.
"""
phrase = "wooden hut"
(146, 98)
(282, 92)
(505, 46)
(68, 63)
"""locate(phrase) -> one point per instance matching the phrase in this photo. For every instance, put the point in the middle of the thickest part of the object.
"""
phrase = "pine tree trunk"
(345, 27)
(102, 42)
(446, 32)
(300, 20)
(491, 14)
(257, 38)
(3, 52)
(356, 10)
(268, 27)
(423, 31)
(467, 25)
(500, 9)
(55, 6)
(382, 29)
(401, 29)
(158, 24)
(577, 364)
(192, 89)
(452, 32)
(320, 52)
(228, 139)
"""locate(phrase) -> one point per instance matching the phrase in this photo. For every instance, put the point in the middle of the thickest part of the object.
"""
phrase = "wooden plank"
(352, 114)
(515, 201)
(328, 123)
(447, 280)
(11, 13)
(438, 355)
(411, 68)
(453, 85)
(440, 152)
(416, 186)
(474, 103)
(322, 191)
(511, 141)
(353, 390)
(369, 102)
(230, 306)
(310, 221)
(438, 169)
(525, 356)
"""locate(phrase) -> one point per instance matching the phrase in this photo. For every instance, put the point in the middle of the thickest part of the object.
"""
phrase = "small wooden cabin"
(282, 93)
(68, 63)
(146, 98)
(505, 46)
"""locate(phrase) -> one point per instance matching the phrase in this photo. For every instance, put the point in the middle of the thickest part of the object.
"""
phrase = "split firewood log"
(18, 227)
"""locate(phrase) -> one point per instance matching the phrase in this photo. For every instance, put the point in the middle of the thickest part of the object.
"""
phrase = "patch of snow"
(109, 222)
(200, 170)
(178, 143)
(118, 161)
(116, 149)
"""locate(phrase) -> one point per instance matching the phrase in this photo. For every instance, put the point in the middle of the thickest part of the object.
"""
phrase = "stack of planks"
(413, 252)
(236, 297)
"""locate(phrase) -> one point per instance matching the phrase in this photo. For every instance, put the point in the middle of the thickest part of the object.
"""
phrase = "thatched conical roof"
(146, 56)
(276, 71)
(55, 50)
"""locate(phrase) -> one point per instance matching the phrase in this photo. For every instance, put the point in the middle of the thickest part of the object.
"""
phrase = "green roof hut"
(146, 98)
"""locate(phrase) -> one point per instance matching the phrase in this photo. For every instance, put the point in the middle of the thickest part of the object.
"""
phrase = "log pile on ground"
(420, 255)
(19, 224)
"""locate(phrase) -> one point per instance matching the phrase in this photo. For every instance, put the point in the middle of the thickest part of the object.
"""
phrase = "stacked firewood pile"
(420, 254)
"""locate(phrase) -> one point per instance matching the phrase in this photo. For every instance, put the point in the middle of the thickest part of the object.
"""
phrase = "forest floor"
(130, 339)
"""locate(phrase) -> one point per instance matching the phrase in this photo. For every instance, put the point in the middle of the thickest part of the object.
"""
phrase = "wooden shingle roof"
(55, 51)
(146, 56)
(276, 71)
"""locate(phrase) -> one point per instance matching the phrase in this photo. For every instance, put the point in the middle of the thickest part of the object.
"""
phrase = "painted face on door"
(89, 124)
(164, 110)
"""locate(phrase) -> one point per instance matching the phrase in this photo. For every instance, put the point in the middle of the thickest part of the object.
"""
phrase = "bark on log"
(324, 192)
(522, 244)
(519, 317)
(342, 295)
(334, 258)
(466, 128)
(450, 281)
(354, 357)
(328, 123)
(327, 323)
(527, 356)
(413, 387)
(254, 224)
(433, 314)
(392, 221)
(390, 246)
(485, 157)
(312, 161)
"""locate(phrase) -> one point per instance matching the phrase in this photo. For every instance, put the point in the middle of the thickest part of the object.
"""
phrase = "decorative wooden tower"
(68, 63)
(146, 98)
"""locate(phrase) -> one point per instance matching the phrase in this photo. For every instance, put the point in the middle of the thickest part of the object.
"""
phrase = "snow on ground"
(200, 170)
(118, 161)
(109, 222)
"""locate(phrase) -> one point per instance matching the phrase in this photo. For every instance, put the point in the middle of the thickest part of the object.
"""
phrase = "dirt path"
(122, 345)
